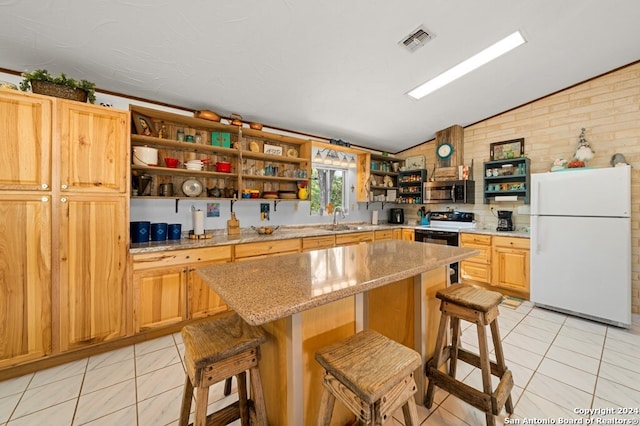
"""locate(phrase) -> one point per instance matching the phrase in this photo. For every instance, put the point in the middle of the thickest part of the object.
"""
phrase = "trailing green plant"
(43, 75)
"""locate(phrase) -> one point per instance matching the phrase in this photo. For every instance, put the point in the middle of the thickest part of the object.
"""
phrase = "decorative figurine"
(584, 151)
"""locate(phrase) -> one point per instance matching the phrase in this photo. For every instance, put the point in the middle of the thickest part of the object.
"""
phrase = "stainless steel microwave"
(450, 191)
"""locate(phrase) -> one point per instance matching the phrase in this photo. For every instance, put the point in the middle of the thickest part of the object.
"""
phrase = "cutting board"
(233, 225)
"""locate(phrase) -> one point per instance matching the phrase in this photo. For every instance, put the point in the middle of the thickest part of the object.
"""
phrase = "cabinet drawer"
(315, 243)
(484, 257)
(355, 238)
(387, 234)
(475, 272)
(511, 242)
(180, 257)
(267, 248)
(475, 239)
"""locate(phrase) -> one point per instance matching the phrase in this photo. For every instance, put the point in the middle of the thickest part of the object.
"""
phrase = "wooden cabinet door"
(94, 148)
(159, 297)
(92, 257)
(511, 268)
(408, 235)
(25, 278)
(476, 268)
(397, 234)
(202, 301)
(25, 141)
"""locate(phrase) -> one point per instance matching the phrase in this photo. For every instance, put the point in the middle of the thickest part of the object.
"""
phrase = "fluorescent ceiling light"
(487, 55)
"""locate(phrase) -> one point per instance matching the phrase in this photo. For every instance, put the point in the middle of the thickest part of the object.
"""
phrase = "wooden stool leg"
(410, 413)
(497, 345)
(227, 386)
(242, 398)
(202, 400)
(437, 360)
(185, 410)
(455, 344)
(258, 396)
(326, 408)
(485, 368)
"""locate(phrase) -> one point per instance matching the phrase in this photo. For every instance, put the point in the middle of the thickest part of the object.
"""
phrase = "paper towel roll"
(198, 222)
(374, 217)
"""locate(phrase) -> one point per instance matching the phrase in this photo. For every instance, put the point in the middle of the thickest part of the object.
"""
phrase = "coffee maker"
(396, 216)
(505, 222)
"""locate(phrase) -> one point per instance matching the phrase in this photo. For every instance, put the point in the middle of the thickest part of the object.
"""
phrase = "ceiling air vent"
(416, 39)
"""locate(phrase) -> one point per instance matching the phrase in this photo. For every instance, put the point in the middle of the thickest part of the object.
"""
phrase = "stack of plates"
(288, 195)
(270, 195)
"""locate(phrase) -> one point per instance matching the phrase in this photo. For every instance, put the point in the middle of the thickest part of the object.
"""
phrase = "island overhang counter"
(305, 301)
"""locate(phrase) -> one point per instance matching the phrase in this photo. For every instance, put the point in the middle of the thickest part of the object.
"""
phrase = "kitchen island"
(308, 300)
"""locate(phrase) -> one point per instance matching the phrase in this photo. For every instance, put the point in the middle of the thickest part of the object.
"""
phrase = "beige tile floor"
(562, 367)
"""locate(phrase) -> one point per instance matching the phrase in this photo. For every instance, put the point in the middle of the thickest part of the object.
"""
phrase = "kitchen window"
(331, 177)
(328, 189)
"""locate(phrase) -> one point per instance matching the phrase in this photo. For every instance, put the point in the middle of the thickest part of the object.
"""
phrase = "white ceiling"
(331, 68)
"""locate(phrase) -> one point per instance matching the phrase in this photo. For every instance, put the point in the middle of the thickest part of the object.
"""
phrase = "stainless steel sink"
(341, 227)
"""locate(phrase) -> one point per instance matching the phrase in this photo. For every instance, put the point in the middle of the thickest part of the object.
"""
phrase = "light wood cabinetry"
(25, 229)
(168, 290)
(511, 263)
(354, 238)
(266, 249)
(91, 217)
(503, 263)
(25, 277)
(385, 234)
(159, 297)
(247, 150)
(26, 141)
(92, 261)
(476, 268)
(374, 172)
(408, 234)
(63, 194)
(317, 243)
(94, 151)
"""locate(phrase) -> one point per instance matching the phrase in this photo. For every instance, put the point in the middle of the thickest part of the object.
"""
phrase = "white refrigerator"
(581, 243)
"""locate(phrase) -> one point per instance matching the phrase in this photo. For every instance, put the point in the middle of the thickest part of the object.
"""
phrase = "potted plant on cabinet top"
(41, 82)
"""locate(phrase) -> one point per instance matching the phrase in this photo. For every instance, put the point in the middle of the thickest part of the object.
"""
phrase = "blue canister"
(139, 232)
(175, 231)
(159, 232)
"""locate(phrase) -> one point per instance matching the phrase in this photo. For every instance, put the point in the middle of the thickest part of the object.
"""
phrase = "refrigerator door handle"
(536, 235)
(537, 200)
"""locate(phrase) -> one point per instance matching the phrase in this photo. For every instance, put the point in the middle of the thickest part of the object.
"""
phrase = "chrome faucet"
(335, 217)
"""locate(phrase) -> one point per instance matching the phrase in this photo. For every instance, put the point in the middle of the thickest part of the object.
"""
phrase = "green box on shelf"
(221, 139)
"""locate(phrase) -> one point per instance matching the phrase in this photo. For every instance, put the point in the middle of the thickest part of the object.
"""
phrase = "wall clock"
(444, 151)
(415, 163)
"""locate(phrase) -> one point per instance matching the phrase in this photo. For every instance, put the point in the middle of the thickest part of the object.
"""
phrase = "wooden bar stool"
(217, 350)
(371, 375)
(478, 306)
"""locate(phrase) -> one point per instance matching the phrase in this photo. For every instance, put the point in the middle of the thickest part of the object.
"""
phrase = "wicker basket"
(58, 90)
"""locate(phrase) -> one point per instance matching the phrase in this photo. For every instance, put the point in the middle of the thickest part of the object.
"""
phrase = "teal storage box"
(221, 139)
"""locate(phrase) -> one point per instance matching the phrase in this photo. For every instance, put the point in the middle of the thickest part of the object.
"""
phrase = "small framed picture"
(272, 149)
(143, 124)
(506, 150)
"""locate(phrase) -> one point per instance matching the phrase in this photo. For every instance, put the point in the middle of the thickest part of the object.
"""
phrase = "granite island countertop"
(220, 237)
(267, 289)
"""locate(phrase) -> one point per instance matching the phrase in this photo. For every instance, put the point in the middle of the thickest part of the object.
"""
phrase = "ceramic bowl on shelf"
(192, 187)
